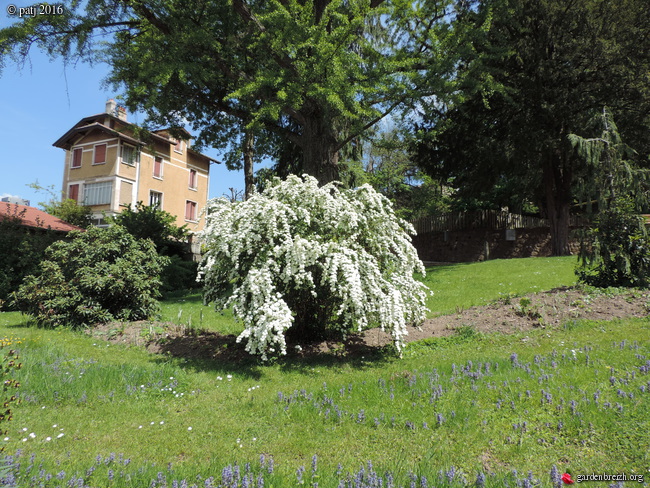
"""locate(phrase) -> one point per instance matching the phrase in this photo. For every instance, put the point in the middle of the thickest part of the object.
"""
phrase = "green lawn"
(576, 398)
(454, 286)
(471, 284)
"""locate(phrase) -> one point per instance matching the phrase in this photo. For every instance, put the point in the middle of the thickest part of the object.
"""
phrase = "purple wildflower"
(480, 480)
(299, 474)
(556, 478)
(451, 474)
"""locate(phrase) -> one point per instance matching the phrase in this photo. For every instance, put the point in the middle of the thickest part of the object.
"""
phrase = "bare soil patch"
(549, 309)
(539, 310)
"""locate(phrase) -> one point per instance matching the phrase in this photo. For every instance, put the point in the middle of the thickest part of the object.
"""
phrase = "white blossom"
(344, 248)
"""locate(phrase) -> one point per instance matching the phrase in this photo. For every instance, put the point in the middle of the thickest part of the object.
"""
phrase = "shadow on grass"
(211, 351)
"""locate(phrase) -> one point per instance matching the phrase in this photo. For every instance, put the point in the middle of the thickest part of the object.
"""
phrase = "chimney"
(121, 113)
(111, 106)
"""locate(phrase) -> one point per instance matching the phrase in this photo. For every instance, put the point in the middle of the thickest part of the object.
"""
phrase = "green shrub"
(99, 276)
(70, 211)
(31, 243)
(149, 222)
(620, 250)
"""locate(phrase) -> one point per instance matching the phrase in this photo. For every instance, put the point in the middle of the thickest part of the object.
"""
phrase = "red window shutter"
(76, 157)
(157, 167)
(73, 192)
(192, 178)
(190, 210)
(100, 153)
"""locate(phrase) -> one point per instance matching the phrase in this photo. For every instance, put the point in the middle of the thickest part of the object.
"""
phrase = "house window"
(73, 192)
(193, 179)
(157, 167)
(98, 193)
(155, 199)
(99, 222)
(100, 154)
(76, 157)
(190, 211)
(129, 154)
(178, 146)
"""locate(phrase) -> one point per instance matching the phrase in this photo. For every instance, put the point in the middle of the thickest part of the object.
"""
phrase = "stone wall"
(480, 245)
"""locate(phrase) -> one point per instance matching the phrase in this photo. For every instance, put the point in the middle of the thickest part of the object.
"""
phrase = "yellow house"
(110, 164)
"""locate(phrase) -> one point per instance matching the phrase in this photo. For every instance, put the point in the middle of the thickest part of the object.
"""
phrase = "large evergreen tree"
(540, 72)
(316, 73)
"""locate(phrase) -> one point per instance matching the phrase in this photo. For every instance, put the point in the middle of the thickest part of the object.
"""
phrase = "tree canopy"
(314, 73)
(540, 72)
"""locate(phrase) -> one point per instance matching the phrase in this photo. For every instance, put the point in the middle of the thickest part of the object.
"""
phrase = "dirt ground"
(540, 310)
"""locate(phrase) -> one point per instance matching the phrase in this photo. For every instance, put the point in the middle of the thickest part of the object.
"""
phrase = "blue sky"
(39, 103)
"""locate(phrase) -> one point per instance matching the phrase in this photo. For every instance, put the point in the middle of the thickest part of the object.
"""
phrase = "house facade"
(111, 163)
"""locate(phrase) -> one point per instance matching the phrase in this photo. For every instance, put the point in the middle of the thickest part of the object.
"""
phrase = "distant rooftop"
(18, 200)
(33, 217)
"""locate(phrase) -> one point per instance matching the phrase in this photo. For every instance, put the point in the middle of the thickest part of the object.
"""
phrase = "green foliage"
(538, 72)
(67, 209)
(390, 169)
(99, 276)
(179, 274)
(610, 171)
(619, 254)
(8, 366)
(150, 222)
(70, 211)
(31, 244)
(314, 74)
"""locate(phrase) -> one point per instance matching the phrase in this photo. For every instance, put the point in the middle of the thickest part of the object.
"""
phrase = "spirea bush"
(98, 276)
(300, 262)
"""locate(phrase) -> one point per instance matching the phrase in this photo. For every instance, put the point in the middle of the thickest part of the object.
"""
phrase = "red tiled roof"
(33, 217)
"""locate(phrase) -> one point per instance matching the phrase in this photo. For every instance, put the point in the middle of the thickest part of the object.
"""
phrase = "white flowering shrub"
(301, 262)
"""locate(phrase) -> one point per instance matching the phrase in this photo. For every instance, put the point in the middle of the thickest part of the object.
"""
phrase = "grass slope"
(447, 413)
(467, 285)
(454, 286)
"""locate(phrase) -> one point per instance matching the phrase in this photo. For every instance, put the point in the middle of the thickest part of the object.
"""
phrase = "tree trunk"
(249, 179)
(320, 157)
(557, 187)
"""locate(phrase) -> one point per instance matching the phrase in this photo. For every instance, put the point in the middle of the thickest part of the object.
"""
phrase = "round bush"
(304, 262)
(98, 276)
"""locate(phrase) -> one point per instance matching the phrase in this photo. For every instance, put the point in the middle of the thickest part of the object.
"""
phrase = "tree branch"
(369, 124)
(149, 15)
